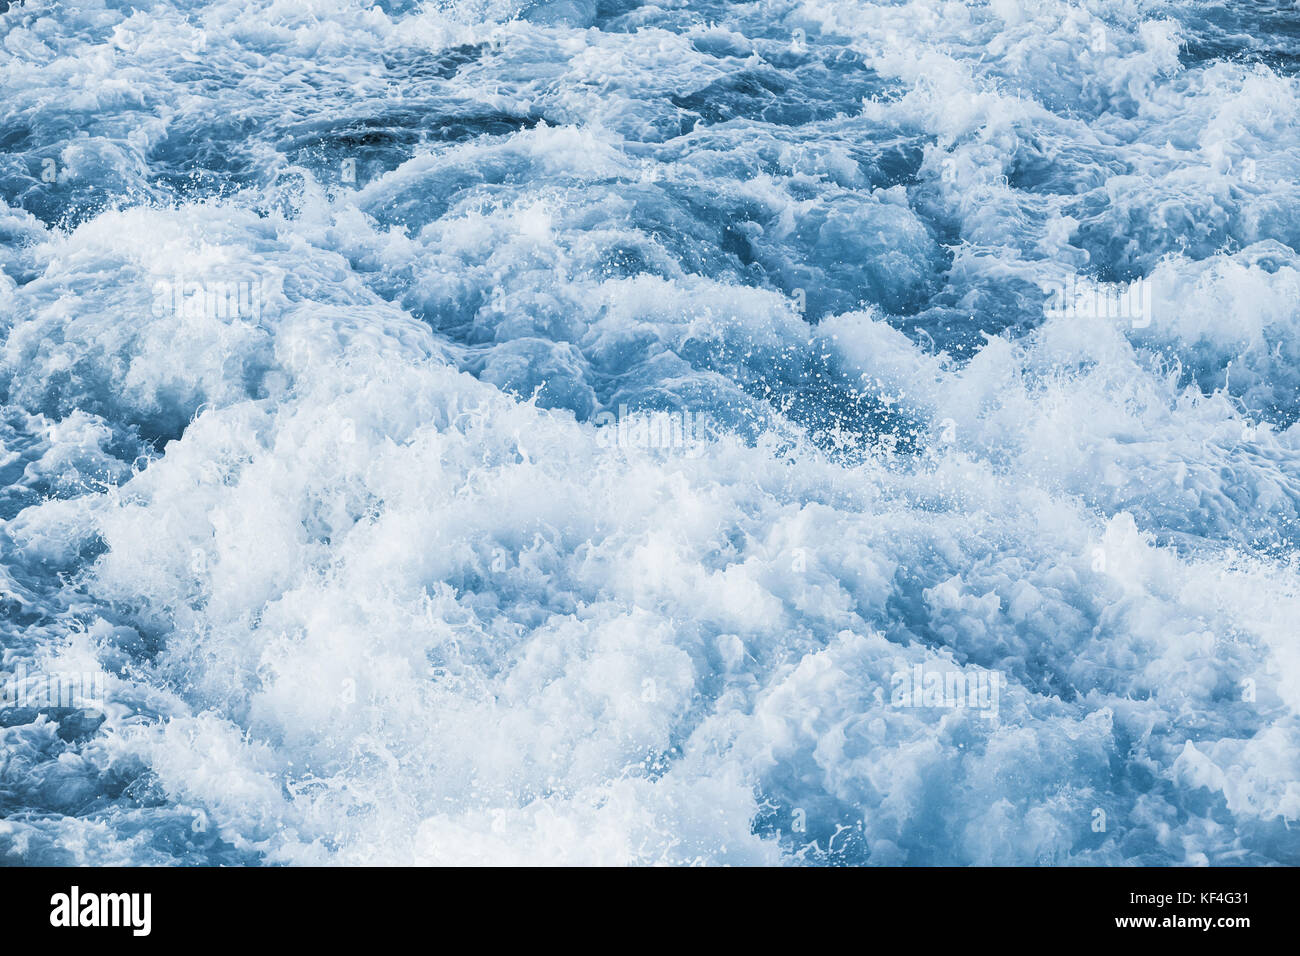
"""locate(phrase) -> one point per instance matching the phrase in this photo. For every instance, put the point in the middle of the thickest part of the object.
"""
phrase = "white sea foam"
(369, 583)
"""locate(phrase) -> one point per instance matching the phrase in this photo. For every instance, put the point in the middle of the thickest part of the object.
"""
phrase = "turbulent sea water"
(373, 562)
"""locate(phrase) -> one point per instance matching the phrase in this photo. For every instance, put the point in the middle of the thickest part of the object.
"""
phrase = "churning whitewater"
(630, 432)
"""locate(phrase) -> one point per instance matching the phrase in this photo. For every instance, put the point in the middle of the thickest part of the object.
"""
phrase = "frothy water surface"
(604, 432)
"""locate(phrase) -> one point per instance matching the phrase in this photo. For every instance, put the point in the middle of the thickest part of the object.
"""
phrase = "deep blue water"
(569, 432)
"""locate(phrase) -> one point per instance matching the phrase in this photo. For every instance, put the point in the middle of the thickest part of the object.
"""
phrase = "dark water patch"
(443, 65)
(1247, 31)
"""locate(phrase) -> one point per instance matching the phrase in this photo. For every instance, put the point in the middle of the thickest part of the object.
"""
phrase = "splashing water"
(602, 432)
